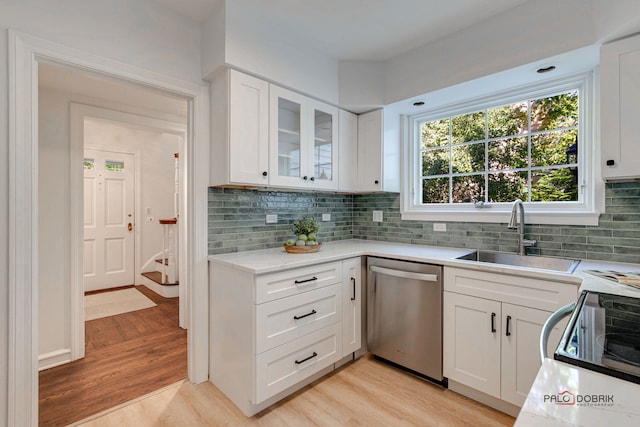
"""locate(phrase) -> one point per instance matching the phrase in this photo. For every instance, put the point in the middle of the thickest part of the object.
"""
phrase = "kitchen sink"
(564, 265)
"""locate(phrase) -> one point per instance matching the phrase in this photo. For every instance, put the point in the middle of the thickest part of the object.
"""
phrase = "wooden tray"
(302, 249)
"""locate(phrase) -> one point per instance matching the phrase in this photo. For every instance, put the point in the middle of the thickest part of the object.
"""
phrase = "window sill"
(492, 215)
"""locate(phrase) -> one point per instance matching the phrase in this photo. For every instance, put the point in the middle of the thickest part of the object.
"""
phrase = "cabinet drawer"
(290, 282)
(289, 318)
(535, 293)
(284, 366)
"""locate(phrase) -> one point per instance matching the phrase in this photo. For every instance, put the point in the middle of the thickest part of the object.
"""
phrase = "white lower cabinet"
(520, 350)
(288, 364)
(271, 334)
(491, 329)
(471, 347)
(351, 305)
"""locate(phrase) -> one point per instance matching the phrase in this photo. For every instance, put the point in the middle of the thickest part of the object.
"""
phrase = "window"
(89, 164)
(532, 145)
(113, 166)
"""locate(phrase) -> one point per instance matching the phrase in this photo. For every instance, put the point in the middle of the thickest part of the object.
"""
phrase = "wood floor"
(126, 356)
(366, 392)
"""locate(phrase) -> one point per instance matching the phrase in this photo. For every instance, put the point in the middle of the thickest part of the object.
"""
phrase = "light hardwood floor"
(366, 392)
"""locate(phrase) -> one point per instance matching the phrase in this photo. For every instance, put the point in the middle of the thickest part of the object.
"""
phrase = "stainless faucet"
(513, 223)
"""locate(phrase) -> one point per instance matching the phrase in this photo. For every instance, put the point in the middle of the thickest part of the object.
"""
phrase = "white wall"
(136, 32)
(4, 227)
(256, 46)
(531, 32)
(53, 222)
(132, 32)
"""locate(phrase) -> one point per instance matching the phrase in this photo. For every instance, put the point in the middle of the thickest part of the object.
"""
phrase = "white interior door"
(108, 250)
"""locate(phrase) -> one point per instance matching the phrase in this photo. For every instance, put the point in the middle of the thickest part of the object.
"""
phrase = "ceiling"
(371, 30)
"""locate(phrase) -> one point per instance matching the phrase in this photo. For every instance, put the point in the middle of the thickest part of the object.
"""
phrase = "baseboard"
(54, 358)
(484, 398)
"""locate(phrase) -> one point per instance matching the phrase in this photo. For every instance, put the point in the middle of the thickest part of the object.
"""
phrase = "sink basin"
(564, 265)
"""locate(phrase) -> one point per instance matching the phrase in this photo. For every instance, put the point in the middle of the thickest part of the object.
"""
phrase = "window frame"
(591, 187)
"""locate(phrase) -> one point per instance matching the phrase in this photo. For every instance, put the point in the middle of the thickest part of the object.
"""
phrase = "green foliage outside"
(490, 150)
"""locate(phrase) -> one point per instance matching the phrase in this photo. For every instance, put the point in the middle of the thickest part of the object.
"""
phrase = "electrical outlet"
(439, 227)
(326, 217)
(272, 219)
(377, 216)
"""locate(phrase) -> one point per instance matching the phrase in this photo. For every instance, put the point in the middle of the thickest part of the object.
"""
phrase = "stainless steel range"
(603, 335)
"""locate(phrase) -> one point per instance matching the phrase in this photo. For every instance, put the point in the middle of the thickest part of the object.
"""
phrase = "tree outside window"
(524, 150)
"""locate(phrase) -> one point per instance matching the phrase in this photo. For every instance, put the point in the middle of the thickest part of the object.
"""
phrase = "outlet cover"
(326, 217)
(377, 216)
(439, 227)
(272, 219)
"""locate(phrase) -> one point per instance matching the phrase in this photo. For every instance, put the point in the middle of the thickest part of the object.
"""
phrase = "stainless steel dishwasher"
(404, 315)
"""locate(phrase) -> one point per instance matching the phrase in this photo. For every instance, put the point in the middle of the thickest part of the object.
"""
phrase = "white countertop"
(277, 259)
(617, 402)
(553, 378)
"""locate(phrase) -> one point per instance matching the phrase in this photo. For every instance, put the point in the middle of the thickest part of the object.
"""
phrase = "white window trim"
(585, 212)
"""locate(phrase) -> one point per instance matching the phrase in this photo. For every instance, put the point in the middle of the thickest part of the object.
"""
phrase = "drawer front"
(284, 366)
(285, 319)
(291, 282)
(535, 293)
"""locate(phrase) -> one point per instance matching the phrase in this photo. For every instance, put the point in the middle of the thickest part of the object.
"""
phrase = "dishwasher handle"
(404, 274)
(548, 326)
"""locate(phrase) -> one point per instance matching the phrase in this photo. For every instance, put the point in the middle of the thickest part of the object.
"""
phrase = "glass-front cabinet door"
(303, 135)
(325, 130)
(288, 129)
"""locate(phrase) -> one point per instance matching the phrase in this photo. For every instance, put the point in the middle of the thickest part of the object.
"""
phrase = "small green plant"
(306, 226)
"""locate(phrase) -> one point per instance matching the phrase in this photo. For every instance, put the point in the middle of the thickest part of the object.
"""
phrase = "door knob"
(129, 226)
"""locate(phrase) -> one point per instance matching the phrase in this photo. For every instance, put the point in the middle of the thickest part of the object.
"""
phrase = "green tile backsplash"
(237, 218)
(237, 223)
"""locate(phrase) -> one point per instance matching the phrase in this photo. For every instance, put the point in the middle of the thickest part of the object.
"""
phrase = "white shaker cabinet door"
(619, 109)
(471, 342)
(248, 129)
(520, 349)
(351, 305)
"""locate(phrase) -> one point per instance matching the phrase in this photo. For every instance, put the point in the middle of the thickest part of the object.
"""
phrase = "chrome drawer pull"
(297, 282)
(304, 315)
(306, 358)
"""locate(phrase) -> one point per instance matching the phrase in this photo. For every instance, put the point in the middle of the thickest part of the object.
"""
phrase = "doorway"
(25, 53)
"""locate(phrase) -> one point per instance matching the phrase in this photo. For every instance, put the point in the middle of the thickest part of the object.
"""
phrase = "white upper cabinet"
(378, 152)
(303, 141)
(348, 146)
(324, 172)
(619, 109)
(239, 130)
